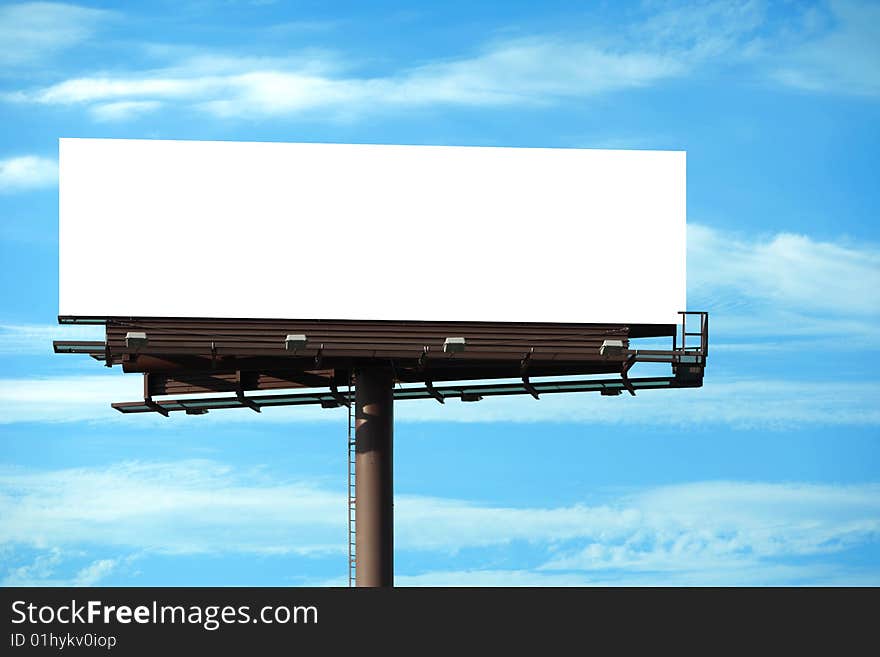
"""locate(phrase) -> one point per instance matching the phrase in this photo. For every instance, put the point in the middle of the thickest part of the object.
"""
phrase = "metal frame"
(189, 344)
(465, 392)
(178, 373)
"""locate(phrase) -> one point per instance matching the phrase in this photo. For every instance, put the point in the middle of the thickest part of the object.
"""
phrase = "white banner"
(341, 231)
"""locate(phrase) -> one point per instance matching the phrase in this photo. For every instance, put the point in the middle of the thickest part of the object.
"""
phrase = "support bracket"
(148, 402)
(422, 366)
(239, 393)
(148, 398)
(436, 394)
(340, 399)
(624, 372)
(524, 373)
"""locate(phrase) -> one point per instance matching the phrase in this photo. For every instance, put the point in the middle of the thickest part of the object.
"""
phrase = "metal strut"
(624, 374)
(148, 398)
(429, 385)
(436, 394)
(239, 394)
(524, 372)
(334, 391)
(148, 401)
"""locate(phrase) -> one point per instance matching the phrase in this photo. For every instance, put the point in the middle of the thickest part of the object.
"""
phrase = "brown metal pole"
(374, 480)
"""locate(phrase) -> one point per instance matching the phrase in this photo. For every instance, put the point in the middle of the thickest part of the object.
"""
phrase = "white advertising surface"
(340, 231)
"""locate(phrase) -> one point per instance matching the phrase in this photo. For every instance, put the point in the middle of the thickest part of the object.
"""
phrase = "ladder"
(352, 489)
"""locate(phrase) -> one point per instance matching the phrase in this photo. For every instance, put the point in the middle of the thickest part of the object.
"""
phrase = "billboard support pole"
(374, 437)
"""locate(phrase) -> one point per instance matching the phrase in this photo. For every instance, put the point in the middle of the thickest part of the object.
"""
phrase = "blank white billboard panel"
(340, 231)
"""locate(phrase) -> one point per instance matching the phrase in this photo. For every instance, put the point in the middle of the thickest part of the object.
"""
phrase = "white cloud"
(525, 71)
(82, 90)
(124, 109)
(94, 572)
(40, 569)
(44, 569)
(841, 55)
(68, 398)
(722, 525)
(668, 528)
(27, 172)
(172, 508)
(706, 30)
(699, 533)
(532, 70)
(785, 286)
(788, 270)
(536, 69)
(33, 30)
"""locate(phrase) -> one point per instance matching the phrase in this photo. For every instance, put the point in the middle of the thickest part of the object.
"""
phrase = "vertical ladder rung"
(352, 490)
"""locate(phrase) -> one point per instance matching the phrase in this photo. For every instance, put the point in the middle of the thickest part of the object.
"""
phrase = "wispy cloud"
(706, 29)
(529, 70)
(785, 286)
(701, 532)
(31, 31)
(44, 569)
(182, 507)
(841, 53)
(124, 109)
(27, 172)
(788, 270)
(710, 525)
(68, 398)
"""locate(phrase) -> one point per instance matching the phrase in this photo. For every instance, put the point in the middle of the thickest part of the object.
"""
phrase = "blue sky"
(770, 474)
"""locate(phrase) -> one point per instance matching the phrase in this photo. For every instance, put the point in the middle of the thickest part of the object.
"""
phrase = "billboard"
(151, 228)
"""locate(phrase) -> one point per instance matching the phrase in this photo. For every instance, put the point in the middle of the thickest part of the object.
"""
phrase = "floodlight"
(471, 397)
(453, 345)
(295, 342)
(134, 339)
(611, 348)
